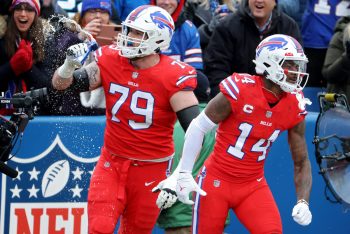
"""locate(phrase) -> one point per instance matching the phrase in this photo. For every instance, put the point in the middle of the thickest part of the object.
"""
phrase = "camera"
(25, 105)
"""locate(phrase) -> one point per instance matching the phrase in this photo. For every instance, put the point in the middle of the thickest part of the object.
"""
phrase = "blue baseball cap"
(96, 4)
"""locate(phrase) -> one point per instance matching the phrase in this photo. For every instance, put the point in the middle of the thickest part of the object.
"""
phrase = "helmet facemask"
(157, 27)
(290, 74)
(280, 58)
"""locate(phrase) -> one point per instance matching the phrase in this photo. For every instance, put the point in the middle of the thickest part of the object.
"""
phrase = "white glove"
(301, 213)
(74, 56)
(185, 185)
(167, 196)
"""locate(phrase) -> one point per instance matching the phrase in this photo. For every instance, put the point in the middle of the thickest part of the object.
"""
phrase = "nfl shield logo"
(268, 114)
(135, 75)
(216, 183)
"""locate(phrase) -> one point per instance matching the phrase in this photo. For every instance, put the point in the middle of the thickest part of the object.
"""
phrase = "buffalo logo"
(272, 44)
(162, 22)
(133, 15)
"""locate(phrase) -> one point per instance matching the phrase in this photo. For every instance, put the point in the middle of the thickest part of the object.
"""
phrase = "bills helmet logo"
(133, 15)
(162, 22)
(272, 44)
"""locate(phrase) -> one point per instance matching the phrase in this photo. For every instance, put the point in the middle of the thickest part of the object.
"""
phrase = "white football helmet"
(281, 59)
(157, 27)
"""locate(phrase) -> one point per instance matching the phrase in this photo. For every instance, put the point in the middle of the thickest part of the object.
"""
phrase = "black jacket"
(233, 43)
(34, 78)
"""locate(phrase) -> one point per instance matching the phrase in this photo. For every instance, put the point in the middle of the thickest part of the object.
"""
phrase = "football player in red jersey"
(145, 93)
(251, 112)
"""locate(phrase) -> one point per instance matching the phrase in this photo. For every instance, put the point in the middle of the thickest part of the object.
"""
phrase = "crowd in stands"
(215, 42)
(216, 37)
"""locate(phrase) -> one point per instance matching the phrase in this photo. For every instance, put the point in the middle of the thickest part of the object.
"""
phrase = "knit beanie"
(96, 4)
(33, 3)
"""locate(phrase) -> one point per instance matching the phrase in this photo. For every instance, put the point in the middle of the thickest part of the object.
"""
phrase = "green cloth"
(180, 215)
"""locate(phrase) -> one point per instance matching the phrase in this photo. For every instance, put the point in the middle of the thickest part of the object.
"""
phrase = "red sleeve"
(180, 77)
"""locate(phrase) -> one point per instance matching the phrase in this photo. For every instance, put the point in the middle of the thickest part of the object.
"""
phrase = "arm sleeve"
(186, 116)
(193, 140)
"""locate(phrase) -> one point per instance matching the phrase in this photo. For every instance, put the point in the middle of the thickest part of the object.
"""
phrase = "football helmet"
(157, 27)
(281, 59)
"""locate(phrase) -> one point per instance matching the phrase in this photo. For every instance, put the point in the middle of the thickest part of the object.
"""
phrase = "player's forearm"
(193, 141)
(303, 179)
(61, 83)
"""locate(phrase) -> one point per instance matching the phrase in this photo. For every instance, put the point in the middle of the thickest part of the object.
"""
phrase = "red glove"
(22, 60)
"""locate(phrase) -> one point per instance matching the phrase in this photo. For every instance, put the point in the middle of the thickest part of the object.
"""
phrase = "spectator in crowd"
(206, 14)
(185, 44)
(318, 23)
(336, 68)
(294, 9)
(94, 13)
(232, 45)
(22, 50)
(124, 7)
(50, 8)
(145, 92)
(66, 33)
(251, 111)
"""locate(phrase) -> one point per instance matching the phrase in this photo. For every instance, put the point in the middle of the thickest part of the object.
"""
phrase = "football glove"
(185, 185)
(301, 213)
(75, 54)
(167, 196)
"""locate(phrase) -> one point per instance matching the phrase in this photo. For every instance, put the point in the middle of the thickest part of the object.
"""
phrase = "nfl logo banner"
(49, 195)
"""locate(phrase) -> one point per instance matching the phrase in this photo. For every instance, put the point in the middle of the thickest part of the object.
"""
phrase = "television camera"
(25, 106)
(332, 146)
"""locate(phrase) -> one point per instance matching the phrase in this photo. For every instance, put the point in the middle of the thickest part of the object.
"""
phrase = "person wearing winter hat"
(23, 47)
(94, 13)
(34, 4)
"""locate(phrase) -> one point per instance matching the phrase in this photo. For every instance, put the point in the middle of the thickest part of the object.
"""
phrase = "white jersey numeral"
(261, 146)
(136, 97)
(341, 9)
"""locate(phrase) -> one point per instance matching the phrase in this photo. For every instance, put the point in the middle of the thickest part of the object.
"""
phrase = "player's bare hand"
(94, 27)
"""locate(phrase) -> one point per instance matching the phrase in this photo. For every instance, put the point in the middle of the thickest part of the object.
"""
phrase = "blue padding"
(311, 93)
(82, 137)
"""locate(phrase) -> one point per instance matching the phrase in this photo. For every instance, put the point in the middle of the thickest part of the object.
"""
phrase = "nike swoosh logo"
(236, 79)
(149, 183)
(191, 72)
(259, 179)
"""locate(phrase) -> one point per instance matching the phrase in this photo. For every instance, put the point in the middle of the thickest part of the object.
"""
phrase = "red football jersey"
(140, 120)
(245, 137)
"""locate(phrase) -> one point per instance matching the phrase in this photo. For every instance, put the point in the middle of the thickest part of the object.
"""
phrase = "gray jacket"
(336, 68)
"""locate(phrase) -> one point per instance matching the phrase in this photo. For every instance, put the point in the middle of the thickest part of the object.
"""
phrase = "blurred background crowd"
(216, 37)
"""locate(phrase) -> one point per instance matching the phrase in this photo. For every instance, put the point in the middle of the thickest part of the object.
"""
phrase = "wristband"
(303, 201)
(66, 70)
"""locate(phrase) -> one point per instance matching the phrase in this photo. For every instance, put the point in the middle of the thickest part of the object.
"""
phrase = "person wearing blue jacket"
(185, 44)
